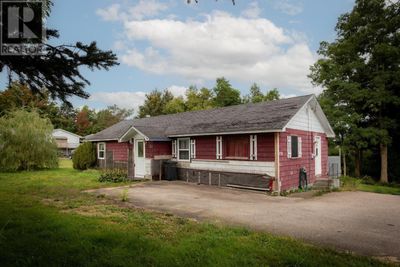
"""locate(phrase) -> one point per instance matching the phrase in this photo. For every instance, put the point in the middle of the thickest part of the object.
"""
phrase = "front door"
(317, 153)
(139, 158)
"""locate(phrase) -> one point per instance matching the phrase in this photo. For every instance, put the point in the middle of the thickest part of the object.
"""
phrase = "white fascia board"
(226, 133)
(128, 131)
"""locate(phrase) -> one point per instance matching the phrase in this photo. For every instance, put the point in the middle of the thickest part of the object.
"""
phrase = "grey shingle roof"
(264, 116)
(111, 133)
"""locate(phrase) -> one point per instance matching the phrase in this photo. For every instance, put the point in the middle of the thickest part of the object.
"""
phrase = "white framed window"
(219, 147)
(294, 146)
(101, 150)
(174, 148)
(253, 147)
(183, 149)
(192, 148)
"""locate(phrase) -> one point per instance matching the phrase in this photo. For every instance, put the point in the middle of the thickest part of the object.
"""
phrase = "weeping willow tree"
(26, 142)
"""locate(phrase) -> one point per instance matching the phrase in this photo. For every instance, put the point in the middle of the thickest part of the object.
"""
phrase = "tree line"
(221, 95)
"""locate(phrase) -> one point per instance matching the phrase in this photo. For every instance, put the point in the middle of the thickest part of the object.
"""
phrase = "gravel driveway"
(366, 223)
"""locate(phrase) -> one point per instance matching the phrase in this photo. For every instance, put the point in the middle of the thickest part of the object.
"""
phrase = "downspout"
(277, 164)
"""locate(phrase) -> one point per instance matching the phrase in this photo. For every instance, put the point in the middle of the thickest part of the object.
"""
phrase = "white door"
(139, 158)
(317, 153)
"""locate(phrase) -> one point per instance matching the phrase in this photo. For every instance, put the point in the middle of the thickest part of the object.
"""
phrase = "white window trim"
(174, 148)
(179, 149)
(193, 148)
(219, 147)
(98, 150)
(253, 147)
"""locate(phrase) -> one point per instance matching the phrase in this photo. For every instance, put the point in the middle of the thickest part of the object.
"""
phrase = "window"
(253, 147)
(192, 148)
(237, 147)
(174, 148)
(101, 150)
(294, 146)
(219, 147)
(183, 149)
(140, 149)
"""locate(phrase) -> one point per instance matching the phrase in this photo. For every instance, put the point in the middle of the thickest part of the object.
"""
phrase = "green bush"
(26, 142)
(368, 180)
(113, 175)
(84, 156)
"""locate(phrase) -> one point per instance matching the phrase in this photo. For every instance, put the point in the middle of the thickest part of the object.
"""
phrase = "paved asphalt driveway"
(366, 223)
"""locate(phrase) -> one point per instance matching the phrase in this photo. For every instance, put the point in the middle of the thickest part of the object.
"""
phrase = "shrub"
(26, 142)
(368, 180)
(113, 175)
(84, 156)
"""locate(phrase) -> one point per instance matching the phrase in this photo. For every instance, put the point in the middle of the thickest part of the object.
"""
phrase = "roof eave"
(226, 133)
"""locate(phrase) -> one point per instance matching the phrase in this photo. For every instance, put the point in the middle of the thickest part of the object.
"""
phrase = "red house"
(245, 145)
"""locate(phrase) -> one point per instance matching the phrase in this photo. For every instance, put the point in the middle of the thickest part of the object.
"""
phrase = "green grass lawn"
(45, 220)
(353, 184)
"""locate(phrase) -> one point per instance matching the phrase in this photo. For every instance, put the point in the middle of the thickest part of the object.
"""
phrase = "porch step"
(322, 184)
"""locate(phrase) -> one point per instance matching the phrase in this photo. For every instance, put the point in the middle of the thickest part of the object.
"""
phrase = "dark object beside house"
(171, 173)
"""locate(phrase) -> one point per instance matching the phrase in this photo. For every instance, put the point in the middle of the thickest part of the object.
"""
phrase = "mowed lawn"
(353, 184)
(45, 220)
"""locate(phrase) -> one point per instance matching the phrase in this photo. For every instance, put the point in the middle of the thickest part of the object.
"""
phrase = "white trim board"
(253, 167)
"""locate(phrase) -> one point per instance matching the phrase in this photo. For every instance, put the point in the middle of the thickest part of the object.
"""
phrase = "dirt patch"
(103, 211)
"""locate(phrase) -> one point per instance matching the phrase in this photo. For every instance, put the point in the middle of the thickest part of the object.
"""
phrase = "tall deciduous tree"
(84, 121)
(155, 103)
(272, 94)
(199, 99)
(256, 95)
(361, 68)
(225, 94)
(175, 105)
(111, 115)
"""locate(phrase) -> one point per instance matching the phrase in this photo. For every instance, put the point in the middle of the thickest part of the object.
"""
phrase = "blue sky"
(170, 44)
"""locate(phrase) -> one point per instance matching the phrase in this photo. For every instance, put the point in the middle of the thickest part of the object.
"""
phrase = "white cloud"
(111, 13)
(126, 99)
(288, 7)
(252, 11)
(121, 99)
(177, 90)
(144, 9)
(239, 48)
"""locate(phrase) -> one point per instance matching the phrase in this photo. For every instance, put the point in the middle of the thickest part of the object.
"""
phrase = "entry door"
(139, 158)
(317, 153)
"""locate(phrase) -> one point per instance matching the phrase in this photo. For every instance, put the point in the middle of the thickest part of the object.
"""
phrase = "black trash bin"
(170, 170)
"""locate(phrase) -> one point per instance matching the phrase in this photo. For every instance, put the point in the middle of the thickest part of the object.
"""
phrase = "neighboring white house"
(66, 141)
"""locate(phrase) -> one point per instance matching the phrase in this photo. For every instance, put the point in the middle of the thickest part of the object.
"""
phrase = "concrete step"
(322, 184)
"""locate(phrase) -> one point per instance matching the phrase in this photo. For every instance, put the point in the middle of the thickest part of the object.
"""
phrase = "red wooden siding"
(155, 148)
(120, 150)
(289, 167)
(265, 147)
(205, 147)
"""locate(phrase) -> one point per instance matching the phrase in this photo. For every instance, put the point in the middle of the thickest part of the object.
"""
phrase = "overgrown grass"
(353, 184)
(45, 220)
